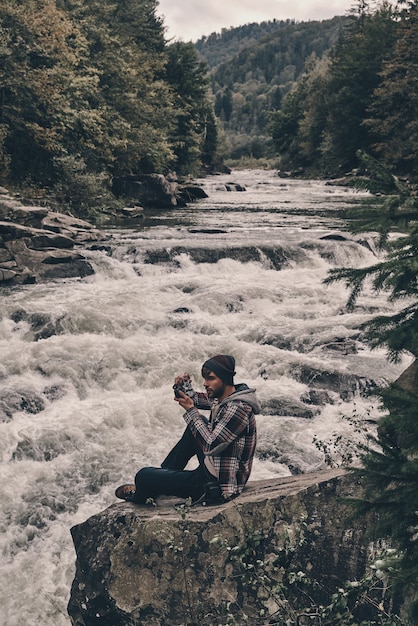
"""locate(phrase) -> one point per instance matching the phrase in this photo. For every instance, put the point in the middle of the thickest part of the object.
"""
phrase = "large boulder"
(191, 192)
(162, 567)
(150, 190)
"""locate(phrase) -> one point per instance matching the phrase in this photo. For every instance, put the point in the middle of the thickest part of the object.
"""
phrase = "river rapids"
(87, 365)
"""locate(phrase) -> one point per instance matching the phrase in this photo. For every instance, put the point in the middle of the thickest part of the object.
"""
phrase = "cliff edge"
(172, 566)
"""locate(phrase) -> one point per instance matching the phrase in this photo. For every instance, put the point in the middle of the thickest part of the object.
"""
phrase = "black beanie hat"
(223, 365)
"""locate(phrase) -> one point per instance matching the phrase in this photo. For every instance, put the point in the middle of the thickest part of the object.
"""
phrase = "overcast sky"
(190, 19)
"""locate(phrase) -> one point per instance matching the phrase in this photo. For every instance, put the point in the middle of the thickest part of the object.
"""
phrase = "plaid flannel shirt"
(230, 438)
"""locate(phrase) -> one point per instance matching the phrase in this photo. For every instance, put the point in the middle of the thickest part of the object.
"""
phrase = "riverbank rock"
(287, 538)
(191, 193)
(231, 187)
(347, 386)
(37, 245)
(155, 191)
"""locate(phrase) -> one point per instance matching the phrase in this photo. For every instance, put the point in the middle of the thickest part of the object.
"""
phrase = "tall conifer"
(392, 117)
(389, 469)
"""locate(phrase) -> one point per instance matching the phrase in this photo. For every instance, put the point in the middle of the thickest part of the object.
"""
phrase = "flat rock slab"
(255, 491)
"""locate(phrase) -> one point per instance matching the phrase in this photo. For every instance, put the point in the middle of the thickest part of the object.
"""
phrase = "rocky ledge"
(253, 557)
(37, 244)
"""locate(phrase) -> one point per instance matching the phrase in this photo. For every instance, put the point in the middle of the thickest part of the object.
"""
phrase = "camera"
(186, 387)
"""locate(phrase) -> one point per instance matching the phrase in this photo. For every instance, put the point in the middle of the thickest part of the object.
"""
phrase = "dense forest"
(221, 47)
(309, 95)
(362, 97)
(252, 69)
(90, 91)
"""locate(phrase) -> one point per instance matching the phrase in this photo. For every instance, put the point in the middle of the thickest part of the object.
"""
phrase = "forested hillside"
(221, 47)
(363, 98)
(90, 92)
(253, 67)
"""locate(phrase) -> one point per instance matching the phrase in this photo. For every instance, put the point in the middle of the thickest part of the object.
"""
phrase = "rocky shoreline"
(39, 245)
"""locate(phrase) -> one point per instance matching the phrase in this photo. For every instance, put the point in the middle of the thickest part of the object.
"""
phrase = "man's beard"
(218, 393)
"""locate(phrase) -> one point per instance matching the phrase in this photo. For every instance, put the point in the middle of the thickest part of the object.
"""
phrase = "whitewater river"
(87, 365)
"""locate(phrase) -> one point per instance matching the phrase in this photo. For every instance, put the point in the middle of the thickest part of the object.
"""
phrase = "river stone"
(41, 324)
(151, 190)
(5, 256)
(51, 240)
(26, 400)
(191, 193)
(408, 380)
(287, 406)
(346, 385)
(27, 216)
(235, 187)
(7, 275)
(77, 229)
(276, 256)
(317, 397)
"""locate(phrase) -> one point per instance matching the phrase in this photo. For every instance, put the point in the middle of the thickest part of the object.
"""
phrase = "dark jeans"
(171, 479)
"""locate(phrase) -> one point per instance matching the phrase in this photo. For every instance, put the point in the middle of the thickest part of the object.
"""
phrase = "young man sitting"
(224, 443)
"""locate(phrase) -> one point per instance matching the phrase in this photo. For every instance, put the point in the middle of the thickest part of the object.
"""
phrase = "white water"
(97, 398)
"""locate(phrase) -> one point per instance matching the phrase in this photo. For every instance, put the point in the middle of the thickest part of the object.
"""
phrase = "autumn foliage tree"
(87, 95)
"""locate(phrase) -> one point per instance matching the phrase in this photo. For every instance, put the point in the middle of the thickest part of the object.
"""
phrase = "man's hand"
(179, 379)
(185, 401)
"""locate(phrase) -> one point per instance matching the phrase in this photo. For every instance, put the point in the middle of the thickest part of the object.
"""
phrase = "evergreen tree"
(193, 126)
(297, 129)
(320, 124)
(209, 154)
(393, 111)
(389, 471)
(353, 76)
(285, 126)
